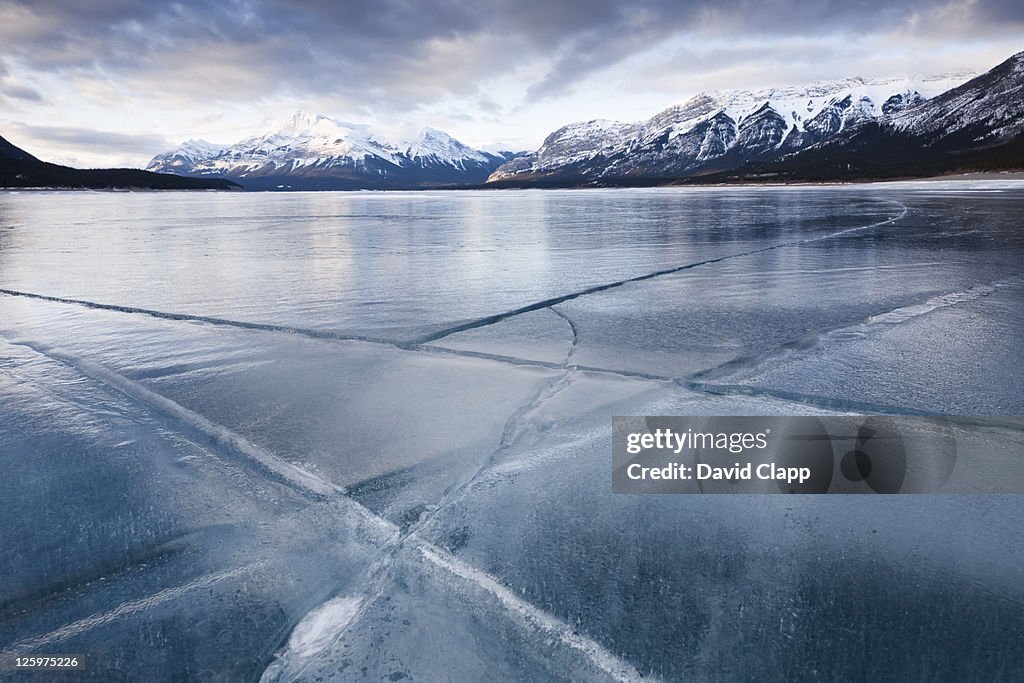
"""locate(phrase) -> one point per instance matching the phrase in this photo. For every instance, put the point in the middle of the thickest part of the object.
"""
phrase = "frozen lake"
(367, 435)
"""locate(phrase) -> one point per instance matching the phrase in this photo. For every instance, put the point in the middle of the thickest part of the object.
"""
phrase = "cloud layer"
(393, 57)
(401, 52)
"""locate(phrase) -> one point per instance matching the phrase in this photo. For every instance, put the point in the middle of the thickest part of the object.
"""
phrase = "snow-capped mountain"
(313, 151)
(978, 125)
(717, 130)
(992, 104)
(184, 158)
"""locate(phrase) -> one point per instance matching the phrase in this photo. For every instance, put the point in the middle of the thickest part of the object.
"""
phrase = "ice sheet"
(303, 435)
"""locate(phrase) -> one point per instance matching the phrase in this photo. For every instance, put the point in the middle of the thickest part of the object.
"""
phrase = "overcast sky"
(113, 82)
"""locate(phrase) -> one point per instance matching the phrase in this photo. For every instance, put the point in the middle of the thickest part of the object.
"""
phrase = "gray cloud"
(1000, 11)
(395, 54)
(105, 142)
(20, 92)
(14, 90)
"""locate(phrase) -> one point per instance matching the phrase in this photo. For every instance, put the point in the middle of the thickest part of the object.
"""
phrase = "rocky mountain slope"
(976, 126)
(717, 131)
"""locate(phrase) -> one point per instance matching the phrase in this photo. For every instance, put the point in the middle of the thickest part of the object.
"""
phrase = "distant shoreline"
(679, 183)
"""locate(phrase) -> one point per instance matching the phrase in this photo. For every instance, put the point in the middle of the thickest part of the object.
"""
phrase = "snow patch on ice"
(943, 301)
(321, 626)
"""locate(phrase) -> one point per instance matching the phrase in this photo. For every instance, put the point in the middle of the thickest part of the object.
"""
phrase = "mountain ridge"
(314, 151)
(718, 130)
(978, 125)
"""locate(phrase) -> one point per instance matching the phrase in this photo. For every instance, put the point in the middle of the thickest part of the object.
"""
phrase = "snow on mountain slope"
(800, 105)
(978, 125)
(313, 150)
(182, 159)
(577, 142)
(993, 102)
(302, 138)
(434, 146)
(723, 128)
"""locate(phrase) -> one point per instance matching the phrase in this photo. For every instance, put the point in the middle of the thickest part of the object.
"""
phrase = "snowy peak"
(301, 137)
(430, 145)
(301, 124)
(991, 104)
(863, 98)
(185, 157)
(201, 147)
(327, 153)
(978, 125)
(317, 130)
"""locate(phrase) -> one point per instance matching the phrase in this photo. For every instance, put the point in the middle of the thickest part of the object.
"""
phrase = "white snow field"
(367, 436)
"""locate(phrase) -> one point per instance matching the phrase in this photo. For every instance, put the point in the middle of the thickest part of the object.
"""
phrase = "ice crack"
(549, 303)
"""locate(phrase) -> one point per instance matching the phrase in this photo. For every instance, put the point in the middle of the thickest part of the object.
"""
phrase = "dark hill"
(18, 168)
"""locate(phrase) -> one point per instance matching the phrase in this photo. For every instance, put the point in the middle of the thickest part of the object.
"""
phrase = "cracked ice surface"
(367, 435)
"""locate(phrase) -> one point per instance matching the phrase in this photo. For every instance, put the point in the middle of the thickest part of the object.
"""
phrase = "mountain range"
(842, 130)
(719, 130)
(977, 126)
(314, 152)
(851, 129)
